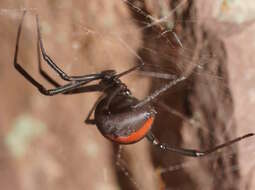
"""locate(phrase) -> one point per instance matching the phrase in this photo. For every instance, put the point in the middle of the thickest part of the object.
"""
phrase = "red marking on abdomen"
(135, 136)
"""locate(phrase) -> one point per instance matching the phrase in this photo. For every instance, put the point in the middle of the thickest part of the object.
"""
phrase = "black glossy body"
(120, 119)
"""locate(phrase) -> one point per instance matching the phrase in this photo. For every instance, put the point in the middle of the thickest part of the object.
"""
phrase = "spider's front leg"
(53, 65)
(49, 92)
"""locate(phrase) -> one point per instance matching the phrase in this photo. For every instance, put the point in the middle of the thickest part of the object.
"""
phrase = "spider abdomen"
(121, 123)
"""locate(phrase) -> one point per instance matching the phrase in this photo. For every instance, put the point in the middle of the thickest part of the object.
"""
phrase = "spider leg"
(84, 89)
(158, 92)
(107, 104)
(41, 71)
(192, 152)
(54, 82)
(62, 74)
(109, 100)
(140, 65)
(53, 65)
(93, 121)
(111, 96)
(61, 89)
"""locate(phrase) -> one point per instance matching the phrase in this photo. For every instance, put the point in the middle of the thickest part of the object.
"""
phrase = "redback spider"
(119, 116)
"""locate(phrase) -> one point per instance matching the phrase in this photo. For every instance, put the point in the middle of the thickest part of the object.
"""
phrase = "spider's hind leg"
(192, 152)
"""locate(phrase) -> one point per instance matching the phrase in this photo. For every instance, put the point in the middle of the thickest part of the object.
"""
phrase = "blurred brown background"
(46, 145)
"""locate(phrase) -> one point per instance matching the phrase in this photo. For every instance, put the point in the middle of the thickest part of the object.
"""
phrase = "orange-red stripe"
(135, 136)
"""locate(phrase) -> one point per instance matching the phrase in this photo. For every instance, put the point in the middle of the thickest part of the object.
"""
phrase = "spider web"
(164, 30)
(196, 69)
(167, 53)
